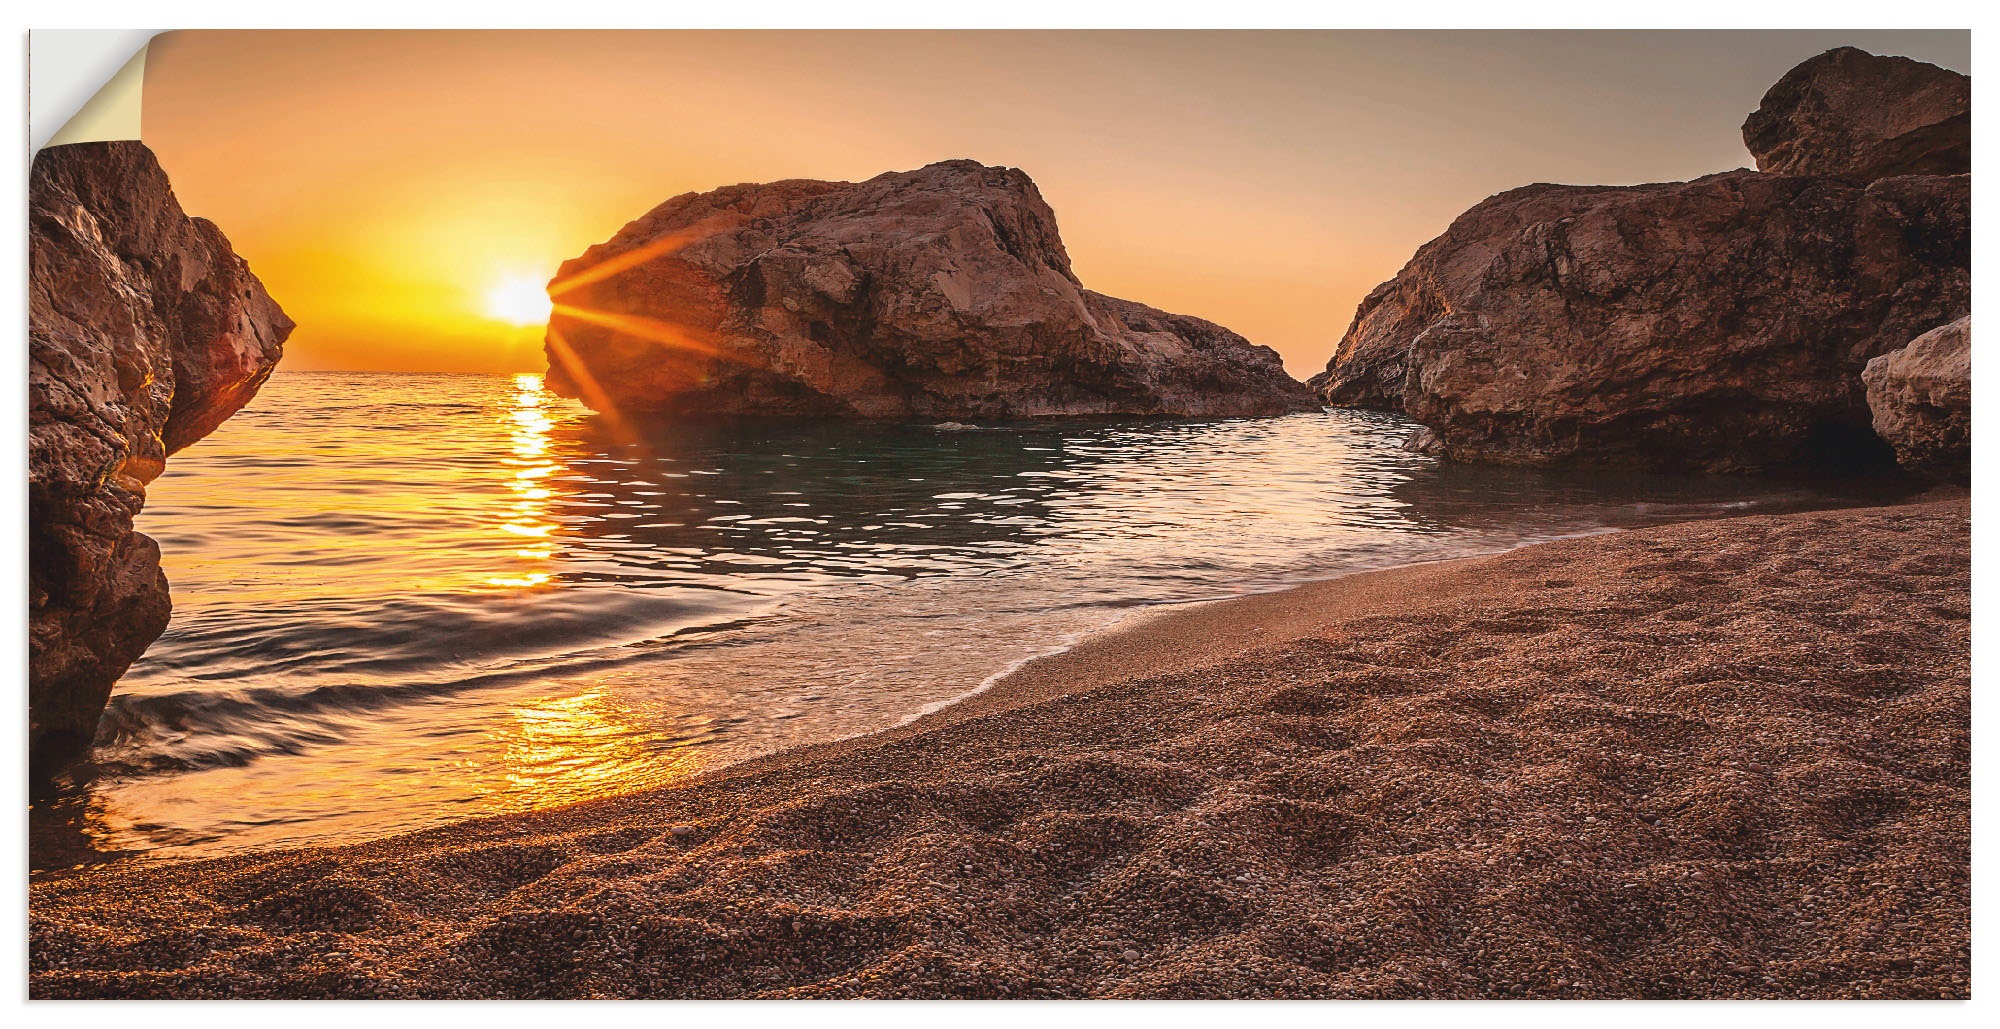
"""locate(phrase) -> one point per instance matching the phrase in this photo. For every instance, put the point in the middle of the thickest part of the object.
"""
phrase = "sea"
(402, 600)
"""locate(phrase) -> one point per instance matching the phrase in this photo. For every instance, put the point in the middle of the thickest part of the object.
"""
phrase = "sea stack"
(943, 292)
(1718, 325)
(145, 332)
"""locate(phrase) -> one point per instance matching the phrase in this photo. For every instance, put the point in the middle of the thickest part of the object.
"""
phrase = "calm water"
(401, 600)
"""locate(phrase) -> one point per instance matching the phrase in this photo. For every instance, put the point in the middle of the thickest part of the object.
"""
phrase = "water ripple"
(407, 598)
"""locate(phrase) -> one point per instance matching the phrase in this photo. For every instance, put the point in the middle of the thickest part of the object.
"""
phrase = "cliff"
(146, 331)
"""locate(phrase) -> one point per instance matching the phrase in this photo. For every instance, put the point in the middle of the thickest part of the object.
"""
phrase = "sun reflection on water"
(570, 747)
(527, 514)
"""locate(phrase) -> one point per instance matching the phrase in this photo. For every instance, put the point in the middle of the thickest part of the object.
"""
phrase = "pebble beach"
(1716, 759)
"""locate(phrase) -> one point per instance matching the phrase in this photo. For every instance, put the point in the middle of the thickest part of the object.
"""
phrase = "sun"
(519, 299)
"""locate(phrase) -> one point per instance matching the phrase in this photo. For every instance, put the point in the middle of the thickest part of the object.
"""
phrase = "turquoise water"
(404, 599)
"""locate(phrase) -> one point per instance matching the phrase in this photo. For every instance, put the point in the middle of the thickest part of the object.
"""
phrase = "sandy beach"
(1716, 759)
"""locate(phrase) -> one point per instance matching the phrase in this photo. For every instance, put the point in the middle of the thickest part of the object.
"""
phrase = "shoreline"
(1023, 681)
(1714, 758)
(1138, 643)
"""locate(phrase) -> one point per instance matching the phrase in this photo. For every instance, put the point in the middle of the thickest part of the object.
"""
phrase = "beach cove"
(803, 568)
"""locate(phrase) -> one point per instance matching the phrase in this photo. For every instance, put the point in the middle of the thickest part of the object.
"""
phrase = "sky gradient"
(385, 185)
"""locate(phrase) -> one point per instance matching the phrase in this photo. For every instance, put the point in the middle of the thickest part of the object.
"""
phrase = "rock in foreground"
(943, 293)
(145, 332)
(1921, 397)
(1851, 114)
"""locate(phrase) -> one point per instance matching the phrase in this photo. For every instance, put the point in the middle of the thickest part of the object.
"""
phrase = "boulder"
(145, 331)
(1921, 397)
(1852, 114)
(943, 292)
(1718, 325)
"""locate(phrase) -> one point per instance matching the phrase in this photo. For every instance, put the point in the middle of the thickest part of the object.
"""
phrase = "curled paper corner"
(113, 112)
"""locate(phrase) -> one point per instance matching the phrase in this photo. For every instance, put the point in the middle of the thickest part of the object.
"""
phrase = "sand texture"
(1719, 759)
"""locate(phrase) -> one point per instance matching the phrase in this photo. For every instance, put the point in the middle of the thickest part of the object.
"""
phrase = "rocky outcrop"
(145, 332)
(1851, 114)
(939, 293)
(1921, 397)
(1718, 325)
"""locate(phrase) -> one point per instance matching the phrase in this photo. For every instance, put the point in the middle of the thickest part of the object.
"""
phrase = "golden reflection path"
(543, 742)
(579, 743)
(561, 749)
(527, 515)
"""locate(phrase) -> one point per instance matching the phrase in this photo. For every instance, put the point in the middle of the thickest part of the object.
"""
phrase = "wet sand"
(1719, 759)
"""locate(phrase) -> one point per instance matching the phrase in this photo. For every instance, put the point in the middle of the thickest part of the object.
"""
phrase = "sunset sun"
(519, 299)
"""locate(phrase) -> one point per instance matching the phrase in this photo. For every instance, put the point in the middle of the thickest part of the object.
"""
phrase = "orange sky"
(383, 183)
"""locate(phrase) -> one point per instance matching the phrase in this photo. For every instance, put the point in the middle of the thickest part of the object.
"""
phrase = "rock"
(145, 332)
(1921, 397)
(1852, 114)
(1422, 440)
(938, 293)
(1717, 325)
(1370, 366)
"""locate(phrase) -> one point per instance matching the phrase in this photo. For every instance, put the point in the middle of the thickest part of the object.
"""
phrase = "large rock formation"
(1716, 325)
(145, 331)
(1921, 397)
(1852, 114)
(943, 292)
